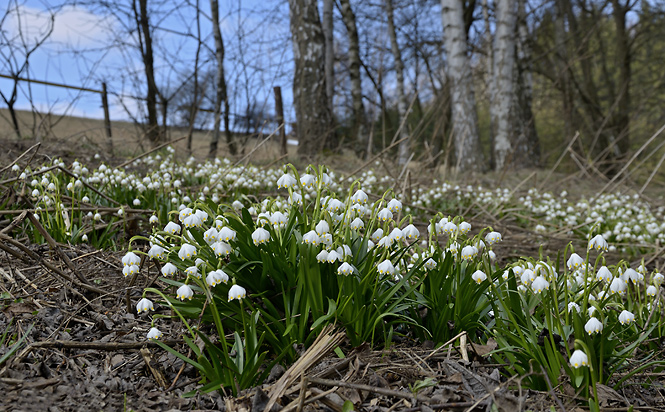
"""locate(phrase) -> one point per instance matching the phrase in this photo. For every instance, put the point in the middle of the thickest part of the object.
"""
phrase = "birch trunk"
(465, 119)
(330, 54)
(504, 64)
(403, 148)
(359, 125)
(220, 87)
(313, 116)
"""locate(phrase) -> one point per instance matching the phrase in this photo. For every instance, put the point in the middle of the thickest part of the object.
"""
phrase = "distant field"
(78, 134)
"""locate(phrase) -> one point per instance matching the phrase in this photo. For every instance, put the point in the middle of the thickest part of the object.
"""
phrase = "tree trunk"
(403, 150)
(465, 119)
(327, 27)
(153, 132)
(313, 117)
(220, 86)
(504, 63)
(359, 125)
(491, 78)
(527, 146)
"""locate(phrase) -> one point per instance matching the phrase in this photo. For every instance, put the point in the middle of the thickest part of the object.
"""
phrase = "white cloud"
(72, 26)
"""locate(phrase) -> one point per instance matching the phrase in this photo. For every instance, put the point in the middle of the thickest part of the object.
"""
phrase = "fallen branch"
(362, 387)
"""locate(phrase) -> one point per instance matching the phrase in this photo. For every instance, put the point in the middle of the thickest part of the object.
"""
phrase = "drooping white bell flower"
(260, 236)
(193, 271)
(156, 251)
(396, 235)
(144, 305)
(210, 235)
(360, 197)
(385, 215)
(308, 181)
(130, 259)
(411, 232)
(626, 317)
(216, 277)
(394, 206)
(226, 234)
(186, 251)
(172, 228)
(539, 284)
(184, 292)
(237, 292)
(430, 264)
(377, 235)
(493, 237)
(578, 358)
(345, 269)
(322, 256)
(386, 267)
(357, 224)
(311, 238)
(221, 248)
(593, 326)
(469, 252)
(154, 333)
(322, 227)
(573, 305)
(651, 290)
(604, 274)
(168, 269)
(479, 276)
(598, 242)
(574, 261)
(464, 228)
(286, 181)
(130, 270)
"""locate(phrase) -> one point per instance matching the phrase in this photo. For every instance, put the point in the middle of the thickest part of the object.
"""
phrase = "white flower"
(635, 276)
(184, 292)
(322, 227)
(169, 269)
(385, 241)
(326, 239)
(359, 197)
(322, 256)
(85, 199)
(411, 232)
(295, 198)
(154, 333)
(386, 267)
(479, 276)
(333, 256)
(278, 219)
(210, 235)
(578, 358)
(449, 228)
(260, 236)
(84, 238)
(604, 274)
(237, 292)
(16, 168)
(192, 221)
(469, 252)
(308, 180)
(598, 242)
(528, 276)
(311, 238)
(186, 251)
(593, 326)
(493, 237)
(136, 202)
(377, 235)
(540, 284)
(130, 259)
(335, 205)
(575, 261)
(217, 276)
(345, 269)
(464, 228)
(357, 224)
(652, 290)
(144, 305)
(237, 204)
(286, 181)
(626, 317)
(172, 228)
(396, 235)
(385, 215)
(154, 219)
(394, 206)
(193, 271)
(97, 217)
(618, 286)
(573, 305)
(130, 270)
(221, 248)
(657, 278)
(156, 251)
(430, 264)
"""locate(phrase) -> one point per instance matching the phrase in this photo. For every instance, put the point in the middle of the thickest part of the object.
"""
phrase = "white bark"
(403, 148)
(327, 26)
(504, 65)
(465, 124)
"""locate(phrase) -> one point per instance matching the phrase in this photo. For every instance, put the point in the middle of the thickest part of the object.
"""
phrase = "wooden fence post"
(279, 111)
(107, 119)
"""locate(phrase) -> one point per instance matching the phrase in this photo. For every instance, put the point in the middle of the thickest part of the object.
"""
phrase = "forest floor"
(85, 350)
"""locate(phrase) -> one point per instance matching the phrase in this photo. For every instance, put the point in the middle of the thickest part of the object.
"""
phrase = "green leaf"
(348, 406)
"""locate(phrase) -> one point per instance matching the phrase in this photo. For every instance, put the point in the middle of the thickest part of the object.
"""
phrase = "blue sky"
(78, 53)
